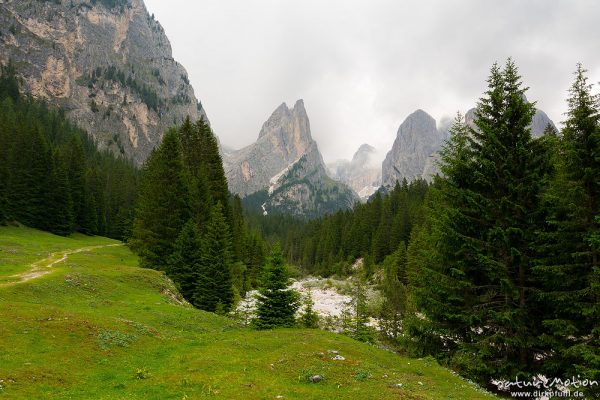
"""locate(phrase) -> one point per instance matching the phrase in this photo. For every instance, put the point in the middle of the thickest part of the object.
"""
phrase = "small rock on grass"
(316, 378)
(338, 358)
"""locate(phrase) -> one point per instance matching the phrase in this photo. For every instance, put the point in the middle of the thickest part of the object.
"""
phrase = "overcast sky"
(362, 66)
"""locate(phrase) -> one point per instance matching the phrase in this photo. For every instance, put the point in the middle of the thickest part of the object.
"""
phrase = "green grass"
(99, 327)
(20, 247)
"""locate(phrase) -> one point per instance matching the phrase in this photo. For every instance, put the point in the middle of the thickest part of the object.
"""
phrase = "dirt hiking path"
(44, 266)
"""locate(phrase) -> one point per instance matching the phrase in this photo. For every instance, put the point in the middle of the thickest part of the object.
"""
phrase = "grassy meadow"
(96, 326)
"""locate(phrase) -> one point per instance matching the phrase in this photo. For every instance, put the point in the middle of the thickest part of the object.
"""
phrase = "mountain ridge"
(362, 173)
(285, 161)
(109, 64)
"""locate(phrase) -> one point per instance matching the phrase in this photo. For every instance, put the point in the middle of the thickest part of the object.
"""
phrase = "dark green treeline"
(331, 244)
(187, 225)
(52, 177)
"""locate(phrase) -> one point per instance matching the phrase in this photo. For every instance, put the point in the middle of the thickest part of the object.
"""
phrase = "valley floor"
(91, 324)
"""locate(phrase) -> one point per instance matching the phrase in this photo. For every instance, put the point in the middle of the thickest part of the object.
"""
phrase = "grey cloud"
(362, 66)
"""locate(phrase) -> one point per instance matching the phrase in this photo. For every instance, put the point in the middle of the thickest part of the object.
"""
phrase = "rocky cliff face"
(362, 173)
(283, 171)
(283, 139)
(417, 139)
(415, 153)
(108, 63)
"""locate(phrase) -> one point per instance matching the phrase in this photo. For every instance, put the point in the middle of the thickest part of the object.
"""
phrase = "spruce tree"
(277, 304)
(381, 238)
(208, 152)
(485, 216)
(88, 223)
(309, 317)
(95, 185)
(184, 263)
(3, 187)
(254, 257)
(200, 199)
(6, 127)
(569, 269)
(393, 289)
(214, 289)
(355, 317)
(59, 218)
(75, 159)
(30, 163)
(161, 209)
(9, 84)
(238, 228)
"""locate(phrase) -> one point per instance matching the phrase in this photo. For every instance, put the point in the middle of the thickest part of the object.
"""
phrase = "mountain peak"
(362, 174)
(285, 165)
(283, 114)
(421, 116)
(299, 106)
(417, 138)
(364, 152)
(282, 140)
(365, 148)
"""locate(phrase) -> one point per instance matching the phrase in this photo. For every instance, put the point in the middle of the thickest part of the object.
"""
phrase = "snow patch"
(275, 179)
(367, 191)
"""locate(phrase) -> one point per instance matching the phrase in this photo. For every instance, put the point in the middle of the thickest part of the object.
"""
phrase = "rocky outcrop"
(540, 122)
(415, 153)
(305, 190)
(283, 139)
(108, 63)
(362, 173)
(416, 140)
(283, 171)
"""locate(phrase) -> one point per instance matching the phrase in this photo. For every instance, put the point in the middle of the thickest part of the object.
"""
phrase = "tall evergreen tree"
(7, 122)
(95, 184)
(184, 263)
(277, 304)
(214, 289)
(213, 164)
(4, 174)
(30, 170)
(569, 271)
(381, 238)
(254, 257)
(485, 215)
(161, 209)
(89, 216)
(393, 289)
(76, 167)
(200, 198)
(9, 84)
(59, 217)
(238, 228)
